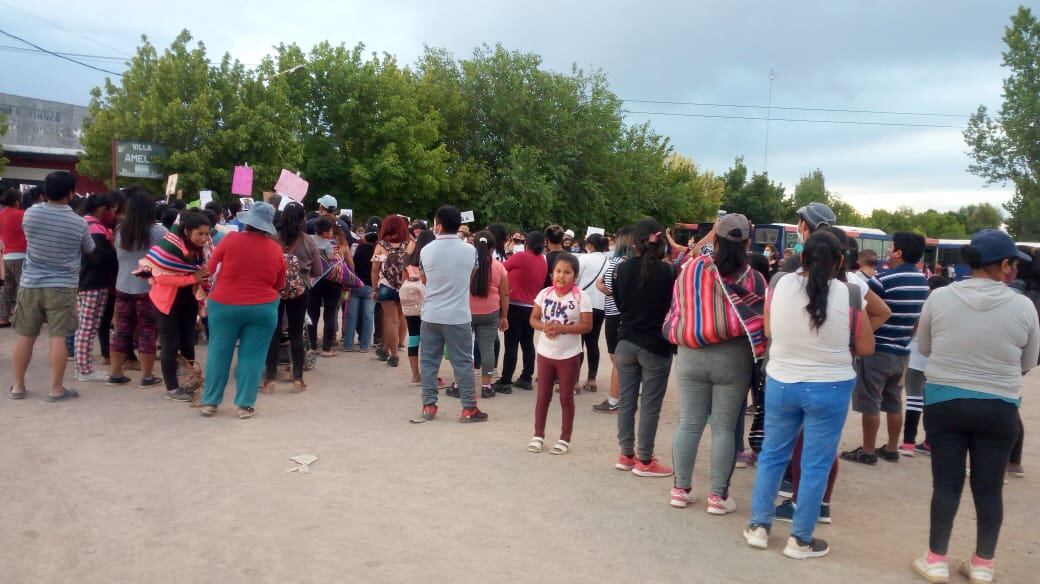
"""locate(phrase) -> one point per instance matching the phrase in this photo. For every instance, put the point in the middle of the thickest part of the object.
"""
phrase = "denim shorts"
(387, 293)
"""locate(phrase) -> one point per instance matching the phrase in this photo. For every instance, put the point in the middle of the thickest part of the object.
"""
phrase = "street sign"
(138, 159)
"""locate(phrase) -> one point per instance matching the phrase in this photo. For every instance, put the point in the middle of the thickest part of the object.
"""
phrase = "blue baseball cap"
(995, 246)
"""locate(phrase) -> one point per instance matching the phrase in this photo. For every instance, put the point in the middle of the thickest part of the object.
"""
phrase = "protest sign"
(205, 198)
(242, 181)
(247, 203)
(171, 185)
(467, 217)
(292, 186)
(590, 230)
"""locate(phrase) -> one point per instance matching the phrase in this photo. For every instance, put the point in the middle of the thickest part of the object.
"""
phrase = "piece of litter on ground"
(303, 461)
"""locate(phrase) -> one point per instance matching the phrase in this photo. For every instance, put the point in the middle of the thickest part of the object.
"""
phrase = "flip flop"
(11, 393)
(66, 393)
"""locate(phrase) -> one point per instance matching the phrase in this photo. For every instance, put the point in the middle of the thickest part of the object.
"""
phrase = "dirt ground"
(122, 485)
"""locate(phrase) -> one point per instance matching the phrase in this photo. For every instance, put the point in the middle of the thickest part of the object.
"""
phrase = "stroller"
(310, 356)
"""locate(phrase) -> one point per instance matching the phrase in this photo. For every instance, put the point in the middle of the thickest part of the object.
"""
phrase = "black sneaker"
(150, 381)
(605, 407)
(825, 514)
(786, 489)
(393, 361)
(381, 354)
(178, 395)
(471, 415)
(861, 457)
(452, 391)
(504, 388)
(486, 392)
(884, 454)
(118, 380)
(785, 511)
(803, 550)
(524, 384)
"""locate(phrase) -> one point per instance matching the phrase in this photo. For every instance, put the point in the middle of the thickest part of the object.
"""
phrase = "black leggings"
(324, 296)
(294, 311)
(519, 335)
(986, 429)
(177, 333)
(414, 327)
(1016, 451)
(591, 341)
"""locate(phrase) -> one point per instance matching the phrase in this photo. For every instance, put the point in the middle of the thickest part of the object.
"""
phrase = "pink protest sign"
(291, 185)
(242, 181)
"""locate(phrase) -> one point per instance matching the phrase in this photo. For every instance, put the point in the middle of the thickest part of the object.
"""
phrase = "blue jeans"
(820, 410)
(360, 302)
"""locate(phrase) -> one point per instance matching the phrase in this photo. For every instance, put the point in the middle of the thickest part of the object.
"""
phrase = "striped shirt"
(56, 236)
(609, 307)
(904, 289)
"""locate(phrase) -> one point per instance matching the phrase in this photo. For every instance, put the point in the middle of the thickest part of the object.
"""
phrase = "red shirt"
(11, 230)
(249, 268)
(526, 277)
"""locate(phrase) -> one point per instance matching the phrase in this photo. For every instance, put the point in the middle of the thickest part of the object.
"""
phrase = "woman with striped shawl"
(180, 280)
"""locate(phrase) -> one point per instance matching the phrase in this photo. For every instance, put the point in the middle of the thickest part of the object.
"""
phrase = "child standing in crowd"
(914, 382)
(563, 314)
(177, 266)
(411, 295)
(643, 292)
(97, 275)
(979, 337)
(488, 303)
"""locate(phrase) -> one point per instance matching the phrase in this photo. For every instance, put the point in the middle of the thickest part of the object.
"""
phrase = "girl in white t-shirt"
(563, 314)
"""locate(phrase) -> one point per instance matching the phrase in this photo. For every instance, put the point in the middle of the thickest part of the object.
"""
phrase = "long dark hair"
(730, 257)
(290, 224)
(190, 221)
(499, 231)
(821, 260)
(648, 239)
(480, 280)
(135, 232)
(843, 241)
(420, 242)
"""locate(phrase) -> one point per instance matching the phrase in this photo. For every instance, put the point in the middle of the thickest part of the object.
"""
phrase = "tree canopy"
(1006, 148)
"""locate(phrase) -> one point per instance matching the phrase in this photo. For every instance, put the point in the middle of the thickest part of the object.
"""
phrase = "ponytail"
(821, 259)
(649, 240)
(480, 280)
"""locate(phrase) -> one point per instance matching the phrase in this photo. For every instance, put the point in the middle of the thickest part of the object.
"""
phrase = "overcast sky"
(883, 55)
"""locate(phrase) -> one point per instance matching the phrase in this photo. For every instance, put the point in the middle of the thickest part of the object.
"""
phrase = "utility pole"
(769, 115)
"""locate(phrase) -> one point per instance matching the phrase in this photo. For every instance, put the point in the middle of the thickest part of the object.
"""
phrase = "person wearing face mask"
(774, 258)
(972, 395)
(810, 218)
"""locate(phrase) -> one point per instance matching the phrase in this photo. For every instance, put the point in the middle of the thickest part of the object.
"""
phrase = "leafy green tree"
(811, 188)
(762, 200)
(1007, 148)
(209, 118)
(978, 217)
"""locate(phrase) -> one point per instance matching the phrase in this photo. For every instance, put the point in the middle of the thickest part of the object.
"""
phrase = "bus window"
(790, 241)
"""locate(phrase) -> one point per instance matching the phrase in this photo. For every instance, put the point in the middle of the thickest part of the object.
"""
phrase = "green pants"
(249, 325)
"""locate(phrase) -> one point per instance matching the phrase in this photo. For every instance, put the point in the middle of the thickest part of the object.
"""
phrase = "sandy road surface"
(125, 486)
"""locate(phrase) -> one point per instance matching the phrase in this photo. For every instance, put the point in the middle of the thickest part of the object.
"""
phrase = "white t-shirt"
(796, 352)
(861, 281)
(591, 267)
(565, 310)
(917, 360)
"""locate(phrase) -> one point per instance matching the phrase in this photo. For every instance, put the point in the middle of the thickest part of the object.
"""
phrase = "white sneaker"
(719, 506)
(92, 376)
(975, 574)
(757, 536)
(935, 572)
(817, 548)
(681, 498)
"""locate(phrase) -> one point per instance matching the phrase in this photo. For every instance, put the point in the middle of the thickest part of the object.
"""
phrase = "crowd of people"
(805, 334)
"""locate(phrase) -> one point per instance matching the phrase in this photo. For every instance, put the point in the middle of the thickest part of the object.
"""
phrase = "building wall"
(33, 169)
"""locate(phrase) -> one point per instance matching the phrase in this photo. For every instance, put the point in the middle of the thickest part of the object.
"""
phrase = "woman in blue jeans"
(362, 303)
(815, 326)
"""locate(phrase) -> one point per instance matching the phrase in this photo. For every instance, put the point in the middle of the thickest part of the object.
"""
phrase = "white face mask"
(768, 254)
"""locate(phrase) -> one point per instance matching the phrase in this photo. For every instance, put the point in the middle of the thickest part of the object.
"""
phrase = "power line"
(32, 51)
(60, 27)
(848, 122)
(802, 109)
(59, 55)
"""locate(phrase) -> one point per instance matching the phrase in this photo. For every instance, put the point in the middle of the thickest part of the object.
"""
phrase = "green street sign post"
(137, 159)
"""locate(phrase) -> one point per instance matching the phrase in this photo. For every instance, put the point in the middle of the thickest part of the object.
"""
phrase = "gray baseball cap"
(816, 214)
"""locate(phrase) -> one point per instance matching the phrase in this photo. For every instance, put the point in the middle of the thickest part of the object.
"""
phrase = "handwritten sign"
(292, 186)
(205, 198)
(171, 185)
(242, 181)
(467, 217)
(597, 230)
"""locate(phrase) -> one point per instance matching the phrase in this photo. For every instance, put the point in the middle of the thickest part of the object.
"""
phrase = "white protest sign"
(467, 217)
(284, 203)
(247, 203)
(590, 230)
(350, 213)
(205, 197)
(171, 185)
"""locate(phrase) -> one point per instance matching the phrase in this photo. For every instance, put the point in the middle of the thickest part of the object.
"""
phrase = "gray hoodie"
(979, 335)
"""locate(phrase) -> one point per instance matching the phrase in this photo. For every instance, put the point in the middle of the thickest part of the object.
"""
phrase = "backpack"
(412, 292)
(393, 268)
(294, 286)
